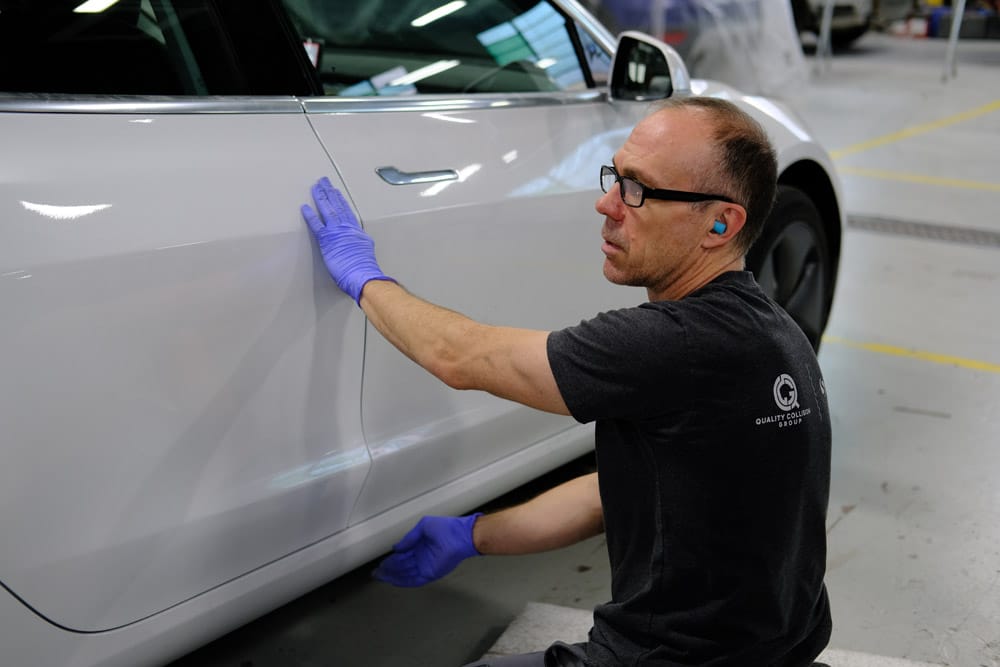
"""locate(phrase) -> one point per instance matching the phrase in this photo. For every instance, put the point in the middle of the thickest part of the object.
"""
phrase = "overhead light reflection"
(63, 212)
(94, 6)
(546, 63)
(463, 174)
(179, 245)
(509, 156)
(447, 117)
(440, 12)
(330, 465)
(424, 72)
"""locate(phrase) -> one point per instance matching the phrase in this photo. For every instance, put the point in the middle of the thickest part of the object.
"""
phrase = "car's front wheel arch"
(794, 262)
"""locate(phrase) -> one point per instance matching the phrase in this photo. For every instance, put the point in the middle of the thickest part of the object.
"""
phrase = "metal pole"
(824, 49)
(957, 13)
(658, 18)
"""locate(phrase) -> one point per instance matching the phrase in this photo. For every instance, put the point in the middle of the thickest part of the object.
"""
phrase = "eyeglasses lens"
(630, 190)
(608, 179)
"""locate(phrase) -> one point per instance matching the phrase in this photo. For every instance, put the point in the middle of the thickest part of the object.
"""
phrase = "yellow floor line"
(919, 178)
(915, 354)
(915, 130)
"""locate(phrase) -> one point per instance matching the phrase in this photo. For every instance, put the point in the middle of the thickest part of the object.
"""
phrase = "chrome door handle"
(394, 176)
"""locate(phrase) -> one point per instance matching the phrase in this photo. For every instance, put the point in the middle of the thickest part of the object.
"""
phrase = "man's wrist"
(473, 520)
(381, 279)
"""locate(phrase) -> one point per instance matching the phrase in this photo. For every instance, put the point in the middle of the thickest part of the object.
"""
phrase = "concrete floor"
(913, 368)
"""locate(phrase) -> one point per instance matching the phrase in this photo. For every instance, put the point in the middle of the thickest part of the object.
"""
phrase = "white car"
(850, 19)
(198, 426)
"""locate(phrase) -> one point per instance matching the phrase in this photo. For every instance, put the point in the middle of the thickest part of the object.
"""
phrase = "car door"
(470, 143)
(180, 395)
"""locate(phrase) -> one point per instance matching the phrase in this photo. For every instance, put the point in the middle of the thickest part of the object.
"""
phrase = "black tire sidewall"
(792, 206)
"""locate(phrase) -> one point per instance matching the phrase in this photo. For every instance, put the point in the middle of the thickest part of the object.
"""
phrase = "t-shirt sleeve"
(620, 364)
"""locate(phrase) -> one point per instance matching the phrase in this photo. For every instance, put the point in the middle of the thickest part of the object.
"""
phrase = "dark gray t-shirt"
(713, 453)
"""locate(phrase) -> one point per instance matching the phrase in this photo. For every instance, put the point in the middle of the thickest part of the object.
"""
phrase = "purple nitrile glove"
(348, 252)
(432, 549)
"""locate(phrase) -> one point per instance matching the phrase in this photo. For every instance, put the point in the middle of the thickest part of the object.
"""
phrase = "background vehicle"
(706, 32)
(749, 44)
(851, 18)
(198, 426)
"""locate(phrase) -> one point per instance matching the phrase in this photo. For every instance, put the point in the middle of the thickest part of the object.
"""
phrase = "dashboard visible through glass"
(365, 47)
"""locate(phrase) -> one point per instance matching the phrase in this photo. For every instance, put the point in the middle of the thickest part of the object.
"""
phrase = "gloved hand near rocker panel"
(432, 549)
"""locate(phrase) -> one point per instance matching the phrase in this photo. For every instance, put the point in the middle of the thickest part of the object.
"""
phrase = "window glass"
(598, 60)
(123, 47)
(388, 47)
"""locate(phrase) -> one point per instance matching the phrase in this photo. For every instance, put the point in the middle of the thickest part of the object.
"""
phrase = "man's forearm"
(465, 354)
(432, 336)
(562, 516)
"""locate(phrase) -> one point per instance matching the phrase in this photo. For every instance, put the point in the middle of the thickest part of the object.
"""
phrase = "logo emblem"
(785, 393)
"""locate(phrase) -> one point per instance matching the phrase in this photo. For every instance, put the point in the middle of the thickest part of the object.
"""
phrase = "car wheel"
(842, 39)
(792, 263)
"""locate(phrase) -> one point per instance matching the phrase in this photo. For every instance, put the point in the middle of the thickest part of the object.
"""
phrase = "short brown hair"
(749, 170)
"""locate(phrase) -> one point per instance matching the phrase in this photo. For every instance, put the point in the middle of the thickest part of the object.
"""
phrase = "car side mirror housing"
(646, 69)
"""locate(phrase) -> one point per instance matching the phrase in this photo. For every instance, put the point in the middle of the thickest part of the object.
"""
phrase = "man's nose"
(610, 204)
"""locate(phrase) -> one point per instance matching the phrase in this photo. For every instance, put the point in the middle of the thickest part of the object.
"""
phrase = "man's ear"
(724, 225)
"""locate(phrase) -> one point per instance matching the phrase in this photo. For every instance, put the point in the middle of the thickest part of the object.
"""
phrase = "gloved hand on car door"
(348, 252)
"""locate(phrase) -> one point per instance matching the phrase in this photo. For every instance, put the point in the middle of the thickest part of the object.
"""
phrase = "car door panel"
(167, 327)
(514, 240)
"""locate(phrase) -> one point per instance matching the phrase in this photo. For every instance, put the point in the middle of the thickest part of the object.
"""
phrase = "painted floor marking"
(932, 357)
(919, 178)
(923, 128)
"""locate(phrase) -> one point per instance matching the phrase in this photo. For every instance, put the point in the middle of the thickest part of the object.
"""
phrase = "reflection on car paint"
(60, 212)
(329, 465)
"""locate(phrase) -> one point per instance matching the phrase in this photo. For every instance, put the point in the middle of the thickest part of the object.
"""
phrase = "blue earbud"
(719, 227)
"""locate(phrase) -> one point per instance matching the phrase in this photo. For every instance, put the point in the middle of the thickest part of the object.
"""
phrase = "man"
(713, 434)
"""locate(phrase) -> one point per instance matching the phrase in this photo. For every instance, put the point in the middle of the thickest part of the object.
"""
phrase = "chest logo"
(785, 393)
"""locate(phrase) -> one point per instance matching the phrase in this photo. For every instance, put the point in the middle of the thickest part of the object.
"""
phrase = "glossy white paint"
(160, 638)
(180, 388)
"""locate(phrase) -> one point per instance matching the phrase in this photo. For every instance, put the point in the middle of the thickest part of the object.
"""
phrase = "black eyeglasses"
(634, 193)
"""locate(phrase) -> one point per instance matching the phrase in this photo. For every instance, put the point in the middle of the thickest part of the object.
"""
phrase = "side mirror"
(646, 69)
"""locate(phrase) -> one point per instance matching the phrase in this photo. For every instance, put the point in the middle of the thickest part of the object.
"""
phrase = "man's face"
(656, 245)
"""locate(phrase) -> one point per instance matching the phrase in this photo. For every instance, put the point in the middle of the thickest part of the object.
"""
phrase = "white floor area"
(533, 629)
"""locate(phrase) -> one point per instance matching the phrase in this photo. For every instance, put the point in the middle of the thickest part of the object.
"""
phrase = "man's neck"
(693, 281)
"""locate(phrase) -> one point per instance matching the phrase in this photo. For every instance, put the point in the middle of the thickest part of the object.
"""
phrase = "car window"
(598, 60)
(390, 47)
(123, 47)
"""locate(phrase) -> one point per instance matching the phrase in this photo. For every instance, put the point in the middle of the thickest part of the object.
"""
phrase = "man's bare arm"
(565, 515)
(465, 354)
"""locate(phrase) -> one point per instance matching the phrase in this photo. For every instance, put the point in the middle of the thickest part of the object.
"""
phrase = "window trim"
(468, 102)
(122, 104)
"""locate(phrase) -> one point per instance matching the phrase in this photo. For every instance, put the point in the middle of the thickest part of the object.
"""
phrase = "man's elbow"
(451, 371)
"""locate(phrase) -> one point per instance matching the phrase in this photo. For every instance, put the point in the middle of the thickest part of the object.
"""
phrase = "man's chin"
(616, 277)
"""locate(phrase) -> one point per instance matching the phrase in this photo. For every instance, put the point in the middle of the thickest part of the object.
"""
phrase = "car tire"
(842, 39)
(792, 263)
